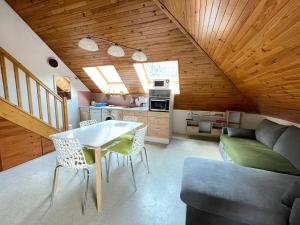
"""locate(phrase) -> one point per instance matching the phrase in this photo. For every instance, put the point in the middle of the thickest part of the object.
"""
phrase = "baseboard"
(157, 140)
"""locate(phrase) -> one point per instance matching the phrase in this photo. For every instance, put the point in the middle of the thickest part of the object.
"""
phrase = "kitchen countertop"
(118, 108)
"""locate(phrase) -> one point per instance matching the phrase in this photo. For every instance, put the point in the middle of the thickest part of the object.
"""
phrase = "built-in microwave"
(159, 100)
(159, 104)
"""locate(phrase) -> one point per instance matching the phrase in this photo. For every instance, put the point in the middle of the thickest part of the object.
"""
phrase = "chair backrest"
(87, 123)
(139, 140)
(130, 118)
(69, 153)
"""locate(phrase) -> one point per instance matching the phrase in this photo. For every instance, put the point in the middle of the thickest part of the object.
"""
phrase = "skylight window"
(107, 79)
(148, 72)
(110, 74)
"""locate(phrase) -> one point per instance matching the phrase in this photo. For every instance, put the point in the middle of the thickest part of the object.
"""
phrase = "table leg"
(98, 179)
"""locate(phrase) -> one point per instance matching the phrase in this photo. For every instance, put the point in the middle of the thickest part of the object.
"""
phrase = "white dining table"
(95, 136)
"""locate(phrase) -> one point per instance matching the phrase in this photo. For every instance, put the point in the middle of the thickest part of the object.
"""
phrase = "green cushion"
(89, 155)
(252, 153)
(123, 146)
(128, 136)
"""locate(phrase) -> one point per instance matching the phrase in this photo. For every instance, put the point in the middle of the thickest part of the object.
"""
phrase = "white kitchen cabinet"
(84, 113)
(95, 114)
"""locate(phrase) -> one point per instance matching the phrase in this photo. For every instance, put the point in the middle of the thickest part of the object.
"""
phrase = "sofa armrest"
(223, 189)
(224, 130)
(295, 213)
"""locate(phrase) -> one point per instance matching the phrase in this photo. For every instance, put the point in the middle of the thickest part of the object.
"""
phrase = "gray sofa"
(270, 146)
(252, 188)
(219, 193)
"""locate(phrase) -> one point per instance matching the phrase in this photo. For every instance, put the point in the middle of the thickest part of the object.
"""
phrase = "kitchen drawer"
(159, 132)
(140, 113)
(158, 126)
(162, 121)
(159, 114)
(128, 113)
(142, 119)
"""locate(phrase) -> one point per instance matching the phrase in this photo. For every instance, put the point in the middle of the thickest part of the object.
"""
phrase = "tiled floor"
(25, 190)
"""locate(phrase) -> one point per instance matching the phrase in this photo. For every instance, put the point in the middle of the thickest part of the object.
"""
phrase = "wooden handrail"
(26, 71)
(39, 88)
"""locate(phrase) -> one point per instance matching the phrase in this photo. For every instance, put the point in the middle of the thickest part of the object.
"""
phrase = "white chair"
(130, 148)
(92, 122)
(87, 123)
(72, 155)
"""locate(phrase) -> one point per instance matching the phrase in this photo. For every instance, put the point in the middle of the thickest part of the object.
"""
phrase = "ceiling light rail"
(116, 49)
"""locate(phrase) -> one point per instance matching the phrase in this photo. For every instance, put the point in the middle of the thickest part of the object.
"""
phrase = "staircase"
(28, 106)
(28, 102)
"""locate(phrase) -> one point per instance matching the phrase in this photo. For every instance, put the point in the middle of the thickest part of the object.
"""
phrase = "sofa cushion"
(268, 132)
(240, 132)
(242, 194)
(252, 153)
(288, 145)
(291, 194)
(295, 213)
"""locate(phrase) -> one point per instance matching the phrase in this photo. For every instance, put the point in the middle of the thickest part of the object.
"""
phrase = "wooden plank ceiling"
(255, 42)
(136, 23)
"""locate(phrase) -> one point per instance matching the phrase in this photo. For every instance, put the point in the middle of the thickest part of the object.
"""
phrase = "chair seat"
(89, 155)
(123, 146)
(128, 136)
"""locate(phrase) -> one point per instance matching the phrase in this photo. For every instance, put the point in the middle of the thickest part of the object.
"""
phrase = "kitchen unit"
(159, 123)
(96, 114)
(90, 113)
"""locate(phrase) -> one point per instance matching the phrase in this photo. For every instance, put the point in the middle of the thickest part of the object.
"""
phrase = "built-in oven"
(159, 100)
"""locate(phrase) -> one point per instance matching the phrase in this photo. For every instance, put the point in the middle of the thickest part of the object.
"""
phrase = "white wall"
(17, 38)
(249, 120)
(179, 119)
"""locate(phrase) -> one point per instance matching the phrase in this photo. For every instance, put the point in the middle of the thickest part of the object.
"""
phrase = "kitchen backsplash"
(85, 98)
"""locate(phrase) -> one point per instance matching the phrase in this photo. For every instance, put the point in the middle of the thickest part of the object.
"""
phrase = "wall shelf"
(209, 124)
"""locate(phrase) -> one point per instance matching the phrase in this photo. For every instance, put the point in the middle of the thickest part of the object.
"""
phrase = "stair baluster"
(18, 68)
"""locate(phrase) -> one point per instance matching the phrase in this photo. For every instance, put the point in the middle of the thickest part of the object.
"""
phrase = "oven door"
(159, 105)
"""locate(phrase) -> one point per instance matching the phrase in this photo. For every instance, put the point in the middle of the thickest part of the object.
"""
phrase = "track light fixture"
(88, 44)
(116, 49)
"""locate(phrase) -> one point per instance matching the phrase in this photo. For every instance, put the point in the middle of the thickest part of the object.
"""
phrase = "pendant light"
(88, 44)
(116, 51)
(139, 56)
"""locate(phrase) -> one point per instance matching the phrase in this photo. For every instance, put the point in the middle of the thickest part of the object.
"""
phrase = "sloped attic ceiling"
(136, 23)
(255, 42)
